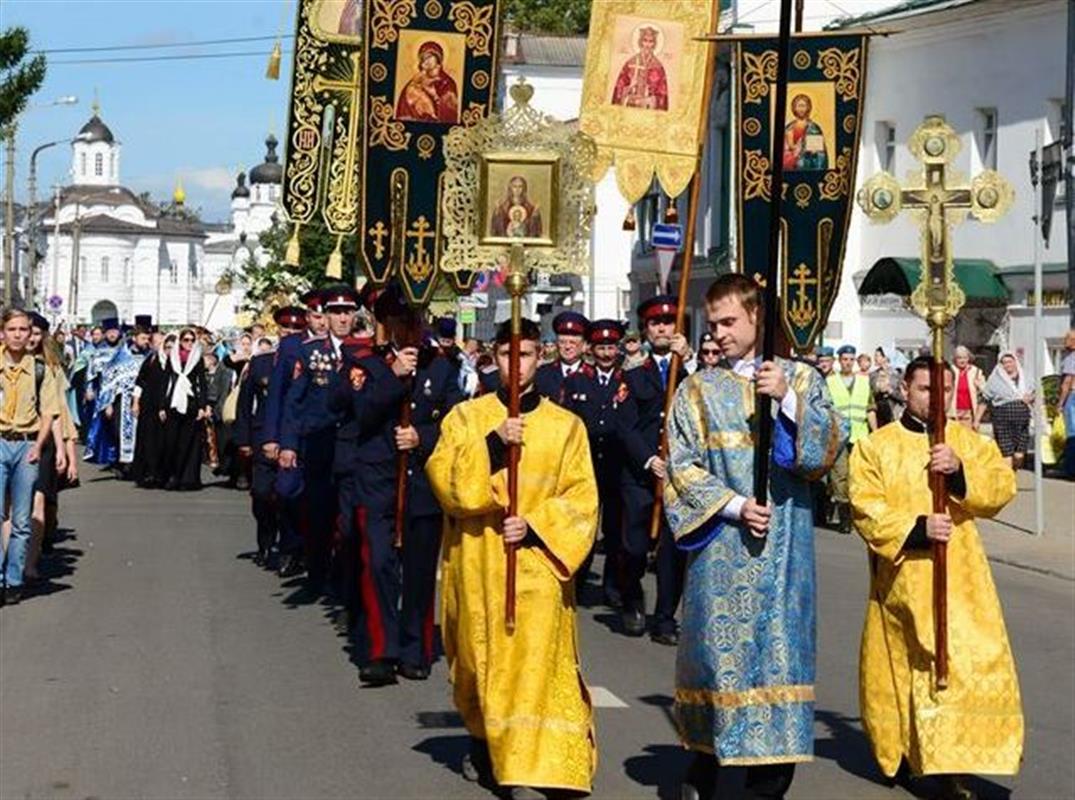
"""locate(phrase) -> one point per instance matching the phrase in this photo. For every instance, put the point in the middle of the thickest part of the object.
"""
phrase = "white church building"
(112, 253)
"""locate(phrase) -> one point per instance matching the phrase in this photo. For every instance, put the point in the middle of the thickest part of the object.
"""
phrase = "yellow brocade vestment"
(523, 693)
(976, 724)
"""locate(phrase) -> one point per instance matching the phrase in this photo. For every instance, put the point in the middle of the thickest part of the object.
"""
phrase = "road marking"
(603, 698)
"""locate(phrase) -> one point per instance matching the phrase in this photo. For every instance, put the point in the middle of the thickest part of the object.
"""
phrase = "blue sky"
(198, 119)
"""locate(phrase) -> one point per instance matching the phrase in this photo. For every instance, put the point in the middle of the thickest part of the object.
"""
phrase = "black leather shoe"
(613, 599)
(667, 638)
(954, 787)
(12, 595)
(634, 622)
(378, 673)
(291, 566)
(413, 672)
(701, 779)
(259, 559)
(525, 793)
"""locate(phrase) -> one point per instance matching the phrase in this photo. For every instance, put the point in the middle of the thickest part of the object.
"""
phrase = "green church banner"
(826, 90)
(429, 66)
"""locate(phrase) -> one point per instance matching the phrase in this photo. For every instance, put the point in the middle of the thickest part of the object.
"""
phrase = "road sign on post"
(667, 239)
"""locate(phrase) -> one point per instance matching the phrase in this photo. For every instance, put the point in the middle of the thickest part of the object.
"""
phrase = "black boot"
(701, 779)
(291, 566)
(378, 673)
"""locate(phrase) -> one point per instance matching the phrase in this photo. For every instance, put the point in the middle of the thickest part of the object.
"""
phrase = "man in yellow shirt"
(975, 725)
(521, 694)
(29, 404)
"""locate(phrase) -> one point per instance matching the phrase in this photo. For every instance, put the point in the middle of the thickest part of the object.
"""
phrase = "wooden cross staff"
(938, 205)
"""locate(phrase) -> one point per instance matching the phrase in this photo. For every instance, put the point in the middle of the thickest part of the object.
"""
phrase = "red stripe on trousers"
(374, 624)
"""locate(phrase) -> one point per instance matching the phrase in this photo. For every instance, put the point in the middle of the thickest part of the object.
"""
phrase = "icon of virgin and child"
(515, 216)
(431, 94)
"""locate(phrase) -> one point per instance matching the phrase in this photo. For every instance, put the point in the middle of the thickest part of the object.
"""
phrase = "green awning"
(899, 276)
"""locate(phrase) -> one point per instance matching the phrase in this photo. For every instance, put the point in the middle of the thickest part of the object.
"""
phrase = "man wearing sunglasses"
(709, 353)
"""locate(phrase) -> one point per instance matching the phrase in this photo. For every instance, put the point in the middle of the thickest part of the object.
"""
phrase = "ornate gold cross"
(420, 264)
(803, 310)
(377, 233)
(939, 203)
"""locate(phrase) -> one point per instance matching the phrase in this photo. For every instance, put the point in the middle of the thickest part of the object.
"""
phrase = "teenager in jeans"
(29, 402)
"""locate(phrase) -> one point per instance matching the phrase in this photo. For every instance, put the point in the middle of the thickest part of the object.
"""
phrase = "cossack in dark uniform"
(549, 378)
(640, 418)
(595, 395)
(288, 352)
(309, 429)
(249, 433)
(399, 635)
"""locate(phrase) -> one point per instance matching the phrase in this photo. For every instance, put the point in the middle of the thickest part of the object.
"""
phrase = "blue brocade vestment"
(745, 666)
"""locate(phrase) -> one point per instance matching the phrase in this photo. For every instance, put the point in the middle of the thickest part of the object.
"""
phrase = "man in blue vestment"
(745, 665)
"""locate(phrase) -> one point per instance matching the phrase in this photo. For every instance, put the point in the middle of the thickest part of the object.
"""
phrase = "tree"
(276, 283)
(559, 17)
(19, 79)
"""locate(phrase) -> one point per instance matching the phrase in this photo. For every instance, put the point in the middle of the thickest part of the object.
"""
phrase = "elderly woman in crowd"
(1010, 395)
(965, 405)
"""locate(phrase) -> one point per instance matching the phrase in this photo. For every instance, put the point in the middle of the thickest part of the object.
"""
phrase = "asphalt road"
(160, 663)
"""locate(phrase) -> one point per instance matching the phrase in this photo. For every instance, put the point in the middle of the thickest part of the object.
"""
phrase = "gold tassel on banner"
(272, 72)
(671, 213)
(334, 268)
(291, 255)
(629, 223)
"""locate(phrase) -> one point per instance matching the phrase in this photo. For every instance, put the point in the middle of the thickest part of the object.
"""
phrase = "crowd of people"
(373, 446)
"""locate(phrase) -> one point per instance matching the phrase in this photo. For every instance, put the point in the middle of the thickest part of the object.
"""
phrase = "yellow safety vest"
(852, 405)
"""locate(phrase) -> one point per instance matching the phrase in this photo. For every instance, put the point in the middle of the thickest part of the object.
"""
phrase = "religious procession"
(593, 398)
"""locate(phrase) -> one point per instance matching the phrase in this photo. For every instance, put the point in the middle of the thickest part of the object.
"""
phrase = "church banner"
(431, 65)
(322, 172)
(643, 90)
(826, 90)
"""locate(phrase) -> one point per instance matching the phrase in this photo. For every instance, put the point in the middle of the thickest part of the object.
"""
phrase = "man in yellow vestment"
(975, 725)
(521, 694)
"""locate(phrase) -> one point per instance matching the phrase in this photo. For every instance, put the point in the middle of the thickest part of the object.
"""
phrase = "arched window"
(99, 165)
(173, 272)
(128, 277)
(104, 269)
(82, 163)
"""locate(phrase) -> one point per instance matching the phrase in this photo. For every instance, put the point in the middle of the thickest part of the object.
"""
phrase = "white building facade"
(995, 71)
(112, 253)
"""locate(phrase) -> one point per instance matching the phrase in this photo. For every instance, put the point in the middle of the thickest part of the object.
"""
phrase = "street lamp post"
(31, 219)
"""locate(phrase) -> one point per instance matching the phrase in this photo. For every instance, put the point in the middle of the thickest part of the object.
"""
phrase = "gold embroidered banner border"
(642, 90)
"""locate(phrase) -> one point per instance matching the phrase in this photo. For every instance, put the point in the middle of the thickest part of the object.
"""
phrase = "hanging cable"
(187, 57)
(50, 50)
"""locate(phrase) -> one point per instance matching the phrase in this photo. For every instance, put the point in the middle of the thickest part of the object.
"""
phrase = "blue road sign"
(666, 235)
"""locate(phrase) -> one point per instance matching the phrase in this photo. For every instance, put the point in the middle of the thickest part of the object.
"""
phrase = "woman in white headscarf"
(186, 405)
(1010, 395)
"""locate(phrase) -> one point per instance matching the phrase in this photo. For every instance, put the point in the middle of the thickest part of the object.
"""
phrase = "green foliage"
(559, 17)
(276, 282)
(18, 80)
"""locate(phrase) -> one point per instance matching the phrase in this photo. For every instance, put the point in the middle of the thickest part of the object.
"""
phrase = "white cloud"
(209, 178)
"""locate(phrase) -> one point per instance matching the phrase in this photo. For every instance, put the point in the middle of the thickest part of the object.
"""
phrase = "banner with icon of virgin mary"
(826, 89)
(322, 159)
(643, 90)
(431, 65)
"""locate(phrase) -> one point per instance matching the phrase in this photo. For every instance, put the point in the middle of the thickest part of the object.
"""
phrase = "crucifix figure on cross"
(938, 202)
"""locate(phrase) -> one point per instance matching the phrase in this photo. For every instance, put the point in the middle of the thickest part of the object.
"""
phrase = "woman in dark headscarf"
(186, 406)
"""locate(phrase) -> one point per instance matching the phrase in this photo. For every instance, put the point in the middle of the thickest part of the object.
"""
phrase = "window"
(128, 277)
(987, 137)
(82, 163)
(104, 269)
(99, 165)
(173, 272)
(112, 165)
(885, 139)
(647, 214)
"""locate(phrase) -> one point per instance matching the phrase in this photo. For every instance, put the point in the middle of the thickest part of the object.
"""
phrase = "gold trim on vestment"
(762, 695)
(729, 440)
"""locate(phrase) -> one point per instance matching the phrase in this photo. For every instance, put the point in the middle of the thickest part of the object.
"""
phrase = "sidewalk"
(1009, 537)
